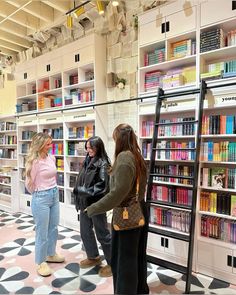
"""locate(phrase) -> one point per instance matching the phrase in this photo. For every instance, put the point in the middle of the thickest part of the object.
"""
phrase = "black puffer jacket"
(92, 182)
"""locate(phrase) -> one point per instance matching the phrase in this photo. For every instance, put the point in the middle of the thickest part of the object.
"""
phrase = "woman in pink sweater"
(41, 183)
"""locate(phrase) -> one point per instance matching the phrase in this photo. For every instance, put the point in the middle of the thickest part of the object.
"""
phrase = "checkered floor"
(18, 274)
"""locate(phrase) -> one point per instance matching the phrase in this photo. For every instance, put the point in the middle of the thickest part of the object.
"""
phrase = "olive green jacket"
(122, 185)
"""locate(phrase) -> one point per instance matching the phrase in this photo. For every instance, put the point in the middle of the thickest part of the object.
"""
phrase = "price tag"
(125, 214)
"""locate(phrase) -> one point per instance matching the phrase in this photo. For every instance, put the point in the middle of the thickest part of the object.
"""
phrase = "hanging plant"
(120, 83)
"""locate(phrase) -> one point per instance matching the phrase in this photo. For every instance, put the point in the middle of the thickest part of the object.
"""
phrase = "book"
(218, 176)
(233, 205)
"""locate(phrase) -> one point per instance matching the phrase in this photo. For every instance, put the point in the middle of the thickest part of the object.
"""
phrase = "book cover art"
(233, 205)
(218, 177)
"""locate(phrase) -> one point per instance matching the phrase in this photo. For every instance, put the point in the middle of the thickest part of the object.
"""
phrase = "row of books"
(6, 153)
(176, 170)
(231, 38)
(47, 85)
(72, 180)
(218, 177)
(61, 196)
(175, 219)
(57, 149)
(218, 228)
(174, 195)
(171, 130)
(73, 79)
(57, 83)
(182, 48)
(146, 149)
(222, 203)
(43, 86)
(49, 101)
(55, 133)
(8, 139)
(75, 166)
(179, 129)
(25, 148)
(223, 151)
(6, 126)
(172, 78)
(5, 179)
(154, 57)
(211, 40)
(26, 106)
(77, 96)
(219, 124)
(60, 179)
(27, 134)
(76, 149)
(81, 132)
(169, 154)
(219, 70)
(178, 154)
(212, 124)
(60, 164)
(152, 80)
(5, 190)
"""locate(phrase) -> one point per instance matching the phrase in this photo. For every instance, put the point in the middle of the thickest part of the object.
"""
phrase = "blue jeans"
(99, 223)
(45, 210)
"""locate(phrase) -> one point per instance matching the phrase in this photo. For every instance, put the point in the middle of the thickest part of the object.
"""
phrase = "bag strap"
(137, 189)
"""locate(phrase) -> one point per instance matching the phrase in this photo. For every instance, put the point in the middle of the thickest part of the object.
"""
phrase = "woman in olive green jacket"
(128, 262)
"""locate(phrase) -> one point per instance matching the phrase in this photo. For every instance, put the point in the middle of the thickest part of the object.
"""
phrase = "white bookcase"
(8, 160)
(158, 54)
(66, 85)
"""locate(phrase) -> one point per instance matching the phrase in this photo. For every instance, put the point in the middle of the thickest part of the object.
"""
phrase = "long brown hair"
(126, 140)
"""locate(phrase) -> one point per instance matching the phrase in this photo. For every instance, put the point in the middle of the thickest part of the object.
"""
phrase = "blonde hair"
(38, 142)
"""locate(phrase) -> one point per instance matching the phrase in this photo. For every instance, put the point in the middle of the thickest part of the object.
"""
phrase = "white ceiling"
(20, 19)
(23, 21)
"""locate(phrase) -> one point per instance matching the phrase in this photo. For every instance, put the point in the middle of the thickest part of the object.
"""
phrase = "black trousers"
(129, 262)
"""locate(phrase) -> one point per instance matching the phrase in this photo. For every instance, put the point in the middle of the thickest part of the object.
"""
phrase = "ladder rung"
(175, 149)
(172, 205)
(176, 123)
(190, 186)
(167, 264)
(170, 234)
(172, 176)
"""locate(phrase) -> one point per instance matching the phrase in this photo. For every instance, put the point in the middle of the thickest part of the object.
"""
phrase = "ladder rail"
(187, 270)
(195, 187)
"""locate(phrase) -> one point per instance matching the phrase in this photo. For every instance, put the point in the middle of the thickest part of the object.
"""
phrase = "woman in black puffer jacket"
(91, 185)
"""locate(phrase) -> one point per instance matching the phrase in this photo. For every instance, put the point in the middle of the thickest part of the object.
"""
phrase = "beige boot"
(55, 258)
(43, 269)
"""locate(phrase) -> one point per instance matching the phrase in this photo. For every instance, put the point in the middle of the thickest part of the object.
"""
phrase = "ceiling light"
(100, 7)
(115, 3)
(78, 11)
(69, 21)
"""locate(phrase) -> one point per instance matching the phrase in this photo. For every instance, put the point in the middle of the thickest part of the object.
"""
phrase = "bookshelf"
(62, 89)
(217, 188)
(212, 58)
(62, 79)
(170, 60)
(8, 159)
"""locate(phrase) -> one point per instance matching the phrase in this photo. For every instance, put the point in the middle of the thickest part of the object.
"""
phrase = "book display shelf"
(191, 44)
(8, 159)
(62, 98)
